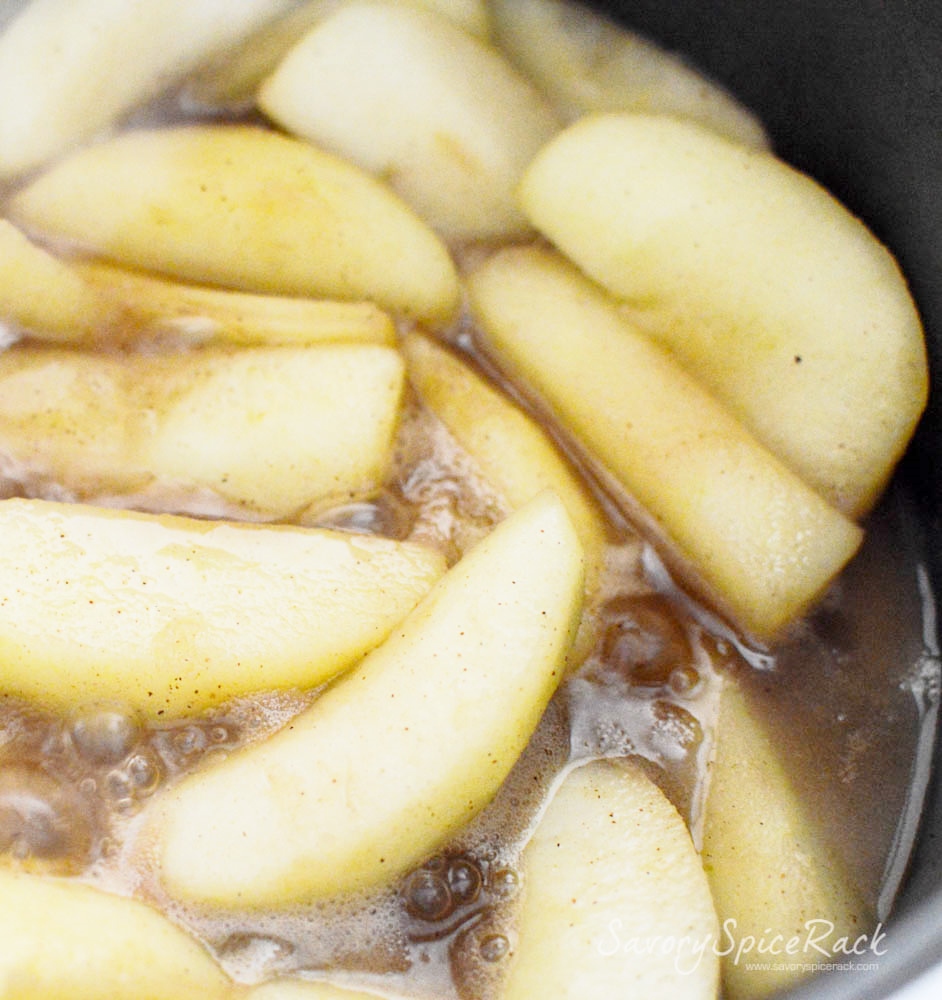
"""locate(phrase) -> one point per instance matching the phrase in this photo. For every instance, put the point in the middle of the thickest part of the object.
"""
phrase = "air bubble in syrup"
(494, 947)
(427, 896)
(464, 881)
(104, 734)
(41, 819)
(143, 773)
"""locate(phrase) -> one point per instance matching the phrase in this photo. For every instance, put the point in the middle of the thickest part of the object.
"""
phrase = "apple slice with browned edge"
(779, 886)
(247, 209)
(414, 99)
(259, 432)
(585, 62)
(65, 939)
(402, 751)
(172, 615)
(71, 68)
(615, 901)
(738, 524)
(743, 528)
(756, 279)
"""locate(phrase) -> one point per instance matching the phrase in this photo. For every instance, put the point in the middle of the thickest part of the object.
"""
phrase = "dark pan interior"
(852, 93)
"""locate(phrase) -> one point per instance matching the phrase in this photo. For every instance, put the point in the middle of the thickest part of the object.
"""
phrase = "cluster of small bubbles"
(677, 724)
(447, 887)
(181, 746)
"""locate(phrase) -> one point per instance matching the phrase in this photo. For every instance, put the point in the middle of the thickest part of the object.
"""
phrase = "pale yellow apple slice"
(512, 452)
(88, 303)
(615, 901)
(233, 78)
(750, 533)
(71, 68)
(585, 62)
(766, 288)
(269, 430)
(246, 209)
(300, 989)
(412, 98)
(65, 939)
(173, 615)
(403, 750)
(776, 881)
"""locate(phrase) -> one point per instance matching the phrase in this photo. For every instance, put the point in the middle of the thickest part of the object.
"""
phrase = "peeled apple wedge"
(512, 452)
(247, 209)
(90, 303)
(298, 989)
(71, 68)
(268, 430)
(402, 751)
(585, 62)
(234, 78)
(739, 524)
(758, 281)
(410, 97)
(65, 939)
(773, 876)
(171, 615)
(615, 901)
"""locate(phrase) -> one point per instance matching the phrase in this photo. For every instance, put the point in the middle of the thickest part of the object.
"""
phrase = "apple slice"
(171, 615)
(85, 303)
(512, 452)
(615, 901)
(414, 99)
(585, 62)
(65, 939)
(234, 78)
(71, 68)
(748, 532)
(266, 430)
(301, 989)
(401, 752)
(247, 209)
(776, 882)
(759, 282)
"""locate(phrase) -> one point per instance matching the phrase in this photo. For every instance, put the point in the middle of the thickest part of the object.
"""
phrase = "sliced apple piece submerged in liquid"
(758, 281)
(412, 98)
(78, 302)
(615, 901)
(170, 616)
(402, 751)
(749, 532)
(300, 989)
(776, 880)
(71, 68)
(65, 939)
(247, 209)
(514, 454)
(269, 430)
(585, 62)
